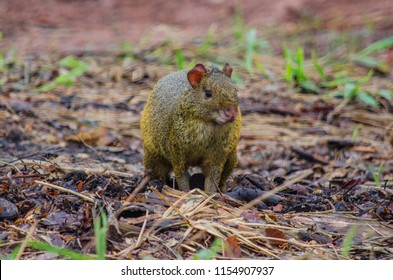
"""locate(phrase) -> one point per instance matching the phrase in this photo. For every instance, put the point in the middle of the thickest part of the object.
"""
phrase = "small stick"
(336, 110)
(138, 188)
(139, 241)
(65, 190)
(24, 243)
(24, 176)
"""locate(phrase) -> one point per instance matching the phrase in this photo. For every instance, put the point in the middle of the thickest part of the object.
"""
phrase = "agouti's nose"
(231, 113)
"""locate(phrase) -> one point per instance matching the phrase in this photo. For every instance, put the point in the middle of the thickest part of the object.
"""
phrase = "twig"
(160, 195)
(10, 164)
(68, 169)
(139, 241)
(24, 176)
(176, 254)
(66, 190)
(307, 155)
(138, 188)
(336, 110)
(24, 243)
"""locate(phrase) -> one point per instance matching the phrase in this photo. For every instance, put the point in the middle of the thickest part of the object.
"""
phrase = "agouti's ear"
(196, 74)
(227, 69)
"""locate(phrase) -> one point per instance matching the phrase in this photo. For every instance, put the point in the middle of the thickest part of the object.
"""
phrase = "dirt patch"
(69, 26)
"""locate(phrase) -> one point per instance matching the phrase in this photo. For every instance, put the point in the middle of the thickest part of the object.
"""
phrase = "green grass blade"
(367, 99)
(376, 175)
(338, 82)
(366, 78)
(179, 59)
(349, 90)
(348, 240)
(356, 132)
(41, 246)
(14, 253)
(318, 66)
(250, 50)
(310, 86)
(380, 45)
(371, 63)
(261, 68)
(387, 94)
(288, 63)
(100, 233)
(300, 72)
(209, 254)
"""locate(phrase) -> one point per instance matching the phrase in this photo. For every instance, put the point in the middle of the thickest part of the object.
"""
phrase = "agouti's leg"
(230, 164)
(212, 172)
(157, 166)
(182, 178)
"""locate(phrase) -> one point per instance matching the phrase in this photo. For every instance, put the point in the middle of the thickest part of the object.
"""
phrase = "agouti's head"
(213, 94)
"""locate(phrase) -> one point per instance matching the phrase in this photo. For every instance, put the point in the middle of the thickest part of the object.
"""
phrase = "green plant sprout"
(70, 254)
(209, 254)
(179, 59)
(376, 174)
(387, 94)
(100, 234)
(46, 247)
(353, 90)
(73, 67)
(295, 70)
(318, 66)
(251, 41)
(261, 68)
(363, 57)
(355, 133)
(377, 46)
(2, 60)
(348, 240)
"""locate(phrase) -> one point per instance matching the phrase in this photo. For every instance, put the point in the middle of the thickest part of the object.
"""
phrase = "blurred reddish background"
(67, 25)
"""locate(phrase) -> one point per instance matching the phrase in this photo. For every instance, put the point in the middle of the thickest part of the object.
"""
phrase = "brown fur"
(179, 128)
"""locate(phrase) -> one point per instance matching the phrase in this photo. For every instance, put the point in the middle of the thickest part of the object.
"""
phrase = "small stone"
(7, 209)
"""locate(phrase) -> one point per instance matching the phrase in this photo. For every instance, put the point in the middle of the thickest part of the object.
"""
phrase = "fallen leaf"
(251, 216)
(79, 186)
(277, 234)
(232, 247)
(278, 208)
(364, 149)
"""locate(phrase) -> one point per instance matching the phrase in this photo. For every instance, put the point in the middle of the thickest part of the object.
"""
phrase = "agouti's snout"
(230, 113)
(227, 115)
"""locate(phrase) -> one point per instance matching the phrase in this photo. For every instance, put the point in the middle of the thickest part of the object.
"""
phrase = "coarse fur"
(181, 127)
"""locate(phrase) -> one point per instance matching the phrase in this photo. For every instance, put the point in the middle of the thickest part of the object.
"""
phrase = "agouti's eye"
(208, 93)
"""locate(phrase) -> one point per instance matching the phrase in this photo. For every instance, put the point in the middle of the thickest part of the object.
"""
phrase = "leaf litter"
(302, 184)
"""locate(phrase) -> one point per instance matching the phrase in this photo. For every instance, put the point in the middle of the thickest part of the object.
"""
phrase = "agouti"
(192, 118)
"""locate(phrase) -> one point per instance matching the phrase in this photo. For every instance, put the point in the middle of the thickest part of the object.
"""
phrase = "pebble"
(7, 209)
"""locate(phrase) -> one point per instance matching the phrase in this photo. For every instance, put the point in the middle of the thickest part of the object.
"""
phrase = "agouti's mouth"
(227, 115)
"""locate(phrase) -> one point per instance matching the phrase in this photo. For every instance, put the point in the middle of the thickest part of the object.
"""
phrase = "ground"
(68, 26)
(315, 169)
